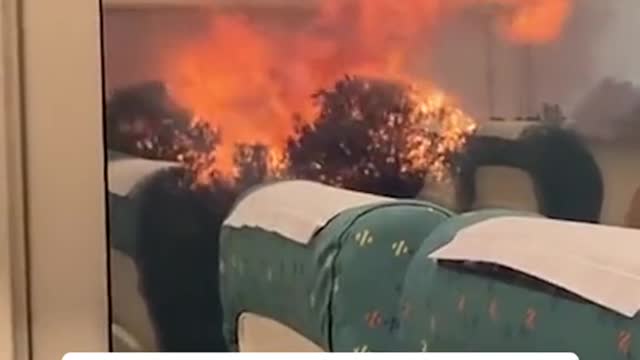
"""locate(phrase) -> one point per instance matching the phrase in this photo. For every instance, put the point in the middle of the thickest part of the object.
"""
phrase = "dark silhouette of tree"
(363, 139)
(143, 120)
(251, 161)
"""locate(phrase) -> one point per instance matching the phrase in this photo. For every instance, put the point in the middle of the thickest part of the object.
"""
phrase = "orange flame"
(251, 80)
(534, 21)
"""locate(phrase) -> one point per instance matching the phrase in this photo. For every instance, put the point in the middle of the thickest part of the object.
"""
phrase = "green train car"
(307, 267)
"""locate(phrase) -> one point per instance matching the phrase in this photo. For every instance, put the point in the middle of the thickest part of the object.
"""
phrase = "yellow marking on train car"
(400, 248)
(363, 348)
(364, 238)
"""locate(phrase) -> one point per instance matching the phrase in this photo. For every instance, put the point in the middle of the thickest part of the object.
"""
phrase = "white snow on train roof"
(599, 263)
(296, 209)
(125, 173)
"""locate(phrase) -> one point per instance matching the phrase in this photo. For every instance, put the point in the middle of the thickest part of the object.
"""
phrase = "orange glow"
(252, 80)
(535, 21)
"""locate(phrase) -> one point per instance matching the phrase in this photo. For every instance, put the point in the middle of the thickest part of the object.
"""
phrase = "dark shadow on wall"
(566, 177)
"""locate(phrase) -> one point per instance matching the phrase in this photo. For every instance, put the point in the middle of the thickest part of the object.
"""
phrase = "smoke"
(562, 69)
(610, 111)
(570, 64)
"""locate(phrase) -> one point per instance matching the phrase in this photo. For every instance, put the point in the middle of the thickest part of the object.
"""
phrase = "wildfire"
(253, 81)
(434, 113)
(534, 21)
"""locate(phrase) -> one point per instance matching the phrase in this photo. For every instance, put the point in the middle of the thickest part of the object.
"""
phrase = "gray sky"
(617, 55)
(613, 56)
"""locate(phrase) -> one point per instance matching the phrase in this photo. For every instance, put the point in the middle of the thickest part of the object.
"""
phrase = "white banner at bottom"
(320, 356)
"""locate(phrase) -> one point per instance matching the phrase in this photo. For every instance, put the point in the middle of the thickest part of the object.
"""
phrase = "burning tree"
(369, 135)
(377, 136)
(143, 120)
(254, 165)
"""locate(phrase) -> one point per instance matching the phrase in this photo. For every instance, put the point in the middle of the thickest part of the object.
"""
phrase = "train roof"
(296, 209)
(598, 263)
